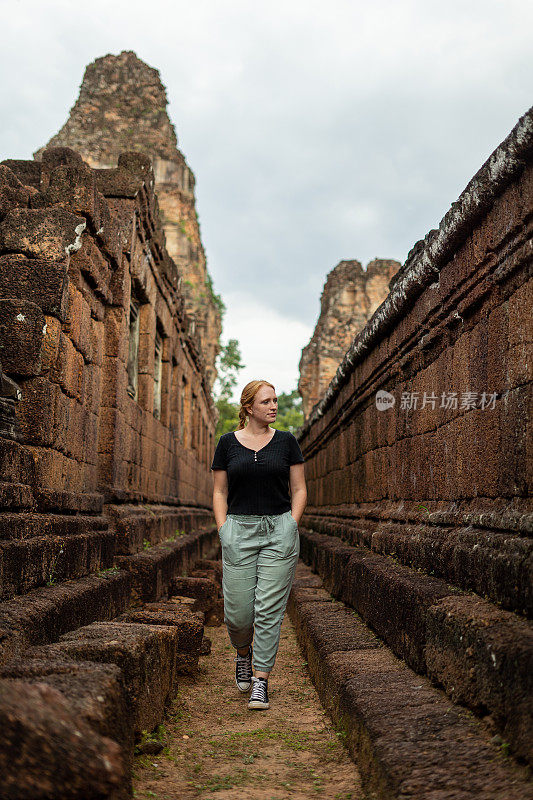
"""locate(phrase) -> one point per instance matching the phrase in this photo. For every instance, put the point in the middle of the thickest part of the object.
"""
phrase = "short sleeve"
(295, 453)
(220, 458)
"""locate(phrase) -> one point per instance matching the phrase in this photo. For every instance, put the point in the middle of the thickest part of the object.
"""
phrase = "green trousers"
(259, 557)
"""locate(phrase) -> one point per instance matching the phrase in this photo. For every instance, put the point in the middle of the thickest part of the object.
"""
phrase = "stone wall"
(106, 432)
(349, 298)
(78, 246)
(458, 319)
(419, 460)
(122, 106)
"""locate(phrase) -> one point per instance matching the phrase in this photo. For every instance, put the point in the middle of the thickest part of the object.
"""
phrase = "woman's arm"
(298, 490)
(220, 496)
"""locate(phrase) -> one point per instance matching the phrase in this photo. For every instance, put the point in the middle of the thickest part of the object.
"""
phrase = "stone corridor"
(413, 602)
(215, 747)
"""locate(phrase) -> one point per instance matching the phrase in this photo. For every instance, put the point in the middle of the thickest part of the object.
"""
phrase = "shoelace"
(259, 690)
(244, 667)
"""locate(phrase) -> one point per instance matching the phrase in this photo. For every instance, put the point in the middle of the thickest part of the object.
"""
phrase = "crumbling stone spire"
(349, 298)
(122, 106)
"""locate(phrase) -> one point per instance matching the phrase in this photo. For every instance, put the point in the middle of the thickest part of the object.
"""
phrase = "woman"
(255, 467)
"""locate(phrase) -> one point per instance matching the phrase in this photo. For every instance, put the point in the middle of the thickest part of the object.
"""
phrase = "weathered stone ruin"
(122, 106)
(106, 435)
(419, 518)
(413, 607)
(349, 298)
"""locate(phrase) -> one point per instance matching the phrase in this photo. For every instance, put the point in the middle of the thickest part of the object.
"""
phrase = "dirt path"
(215, 746)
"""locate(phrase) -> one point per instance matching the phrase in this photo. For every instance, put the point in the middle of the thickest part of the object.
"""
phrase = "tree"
(290, 414)
(228, 365)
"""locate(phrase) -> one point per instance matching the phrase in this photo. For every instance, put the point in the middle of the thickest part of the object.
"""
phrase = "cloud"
(270, 342)
(317, 133)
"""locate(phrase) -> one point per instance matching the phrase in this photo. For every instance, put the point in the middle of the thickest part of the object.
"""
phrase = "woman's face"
(265, 405)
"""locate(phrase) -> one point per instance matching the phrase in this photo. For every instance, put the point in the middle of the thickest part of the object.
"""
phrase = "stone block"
(50, 344)
(405, 737)
(54, 157)
(390, 597)
(116, 334)
(146, 654)
(189, 629)
(119, 182)
(49, 233)
(22, 329)
(153, 569)
(35, 561)
(520, 339)
(68, 368)
(35, 418)
(16, 462)
(43, 615)
(114, 382)
(95, 692)
(73, 187)
(204, 590)
(50, 752)
(94, 267)
(27, 172)
(483, 657)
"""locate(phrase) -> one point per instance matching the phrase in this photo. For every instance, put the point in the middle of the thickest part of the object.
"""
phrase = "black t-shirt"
(258, 480)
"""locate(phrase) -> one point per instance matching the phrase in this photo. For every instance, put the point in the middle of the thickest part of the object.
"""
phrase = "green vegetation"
(217, 299)
(146, 544)
(109, 571)
(53, 566)
(176, 535)
(229, 363)
(159, 735)
(290, 413)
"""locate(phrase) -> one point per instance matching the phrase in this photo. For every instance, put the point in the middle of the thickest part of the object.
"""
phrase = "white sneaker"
(259, 696)
(243, 671)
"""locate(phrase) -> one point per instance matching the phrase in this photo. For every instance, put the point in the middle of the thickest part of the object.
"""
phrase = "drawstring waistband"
(266, 521)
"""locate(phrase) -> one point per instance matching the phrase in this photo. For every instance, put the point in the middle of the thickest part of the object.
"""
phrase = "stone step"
(482, 655)
(43, 615)
(153, 570)
(211, 565)
(408, 739)
(146, 655)
(46, 560)
(94, 692)
(138, 525)
(492, 563)
(204, 590)
(189, 627)
(49, 752)
(31, 525)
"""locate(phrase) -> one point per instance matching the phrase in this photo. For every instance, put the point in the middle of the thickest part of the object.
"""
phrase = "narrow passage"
(216, 747)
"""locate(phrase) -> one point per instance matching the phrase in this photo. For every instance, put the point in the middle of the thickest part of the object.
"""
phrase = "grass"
(219, 782)
(176, 535)
(159, 734)
(235, 744)
(52, 568)
(109, 571)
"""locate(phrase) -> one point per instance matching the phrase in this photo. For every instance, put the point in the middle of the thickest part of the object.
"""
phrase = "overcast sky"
(317, 131)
